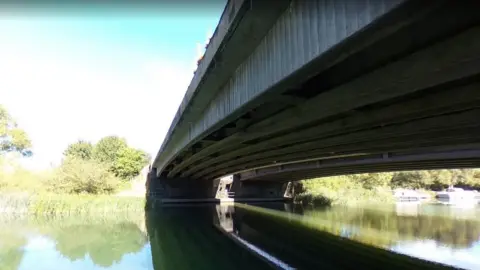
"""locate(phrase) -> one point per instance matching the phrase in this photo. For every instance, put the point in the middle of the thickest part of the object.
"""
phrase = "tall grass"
(75, 188)
(67, 205)
(73, 176)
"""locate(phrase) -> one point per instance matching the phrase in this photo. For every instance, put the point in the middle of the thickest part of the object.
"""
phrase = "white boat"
(454, 195)
(408, 195)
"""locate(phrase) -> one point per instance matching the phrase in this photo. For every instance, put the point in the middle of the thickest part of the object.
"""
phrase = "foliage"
(80, 149)
(411, 179)
(83, 176)
(105, 238)
(15, 178)
(373, 180)
(122, 160)
(440, 178)
(333, 183)
(345, 190)
(375, 187)
(107, 149)
(73, 175)
(437, 179)
(12, 138)
(105, 244)
(129, 162)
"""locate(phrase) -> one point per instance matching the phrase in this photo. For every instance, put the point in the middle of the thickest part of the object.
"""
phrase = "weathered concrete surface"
(160, 190)
(241, 28)
(181, 188)
(331, 80)
(258, 189)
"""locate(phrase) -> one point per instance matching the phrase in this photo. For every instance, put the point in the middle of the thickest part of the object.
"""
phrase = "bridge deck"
(305, 31)
(336, 80)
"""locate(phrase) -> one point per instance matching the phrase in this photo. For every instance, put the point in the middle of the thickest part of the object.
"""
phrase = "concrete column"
(182, 188)
(236, 183)
(161, 189)
(152, 185)
(259, 189)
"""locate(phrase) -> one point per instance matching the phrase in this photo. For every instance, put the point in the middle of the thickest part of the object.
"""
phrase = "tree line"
(86, 167)
(326, 190)
(122, 160)
(12, 138)
(99, 167)
(424, 179)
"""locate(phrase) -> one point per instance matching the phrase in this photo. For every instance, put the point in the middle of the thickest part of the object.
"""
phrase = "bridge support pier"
(161, 190)
(260, 189)
(178, 190)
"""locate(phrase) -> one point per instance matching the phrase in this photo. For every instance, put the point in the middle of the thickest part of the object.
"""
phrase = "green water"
(246, 237)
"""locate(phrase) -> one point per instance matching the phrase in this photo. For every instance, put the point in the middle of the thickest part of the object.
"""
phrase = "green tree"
(411, 179)
(129, 162)
(12, 138)
(440, 179)
(108, 149)
(80, 149)
(76, 175)
(111, 153)
(372, 180)
(124, 161)
(462, 176)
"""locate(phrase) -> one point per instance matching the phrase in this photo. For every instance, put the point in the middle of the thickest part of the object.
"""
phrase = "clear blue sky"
(82, 75)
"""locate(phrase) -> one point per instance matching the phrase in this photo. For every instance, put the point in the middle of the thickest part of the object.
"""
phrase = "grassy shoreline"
(327, 197)
(65, 205)
(345, 190)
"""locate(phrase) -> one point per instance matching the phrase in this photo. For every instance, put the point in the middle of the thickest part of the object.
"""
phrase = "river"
(245, 237)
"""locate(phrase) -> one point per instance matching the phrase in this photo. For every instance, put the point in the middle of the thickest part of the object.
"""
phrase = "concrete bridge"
(316, 88)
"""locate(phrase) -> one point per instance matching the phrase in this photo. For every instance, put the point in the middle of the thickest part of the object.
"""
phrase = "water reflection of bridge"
(183, 238)
(173, 238)
(301, 237)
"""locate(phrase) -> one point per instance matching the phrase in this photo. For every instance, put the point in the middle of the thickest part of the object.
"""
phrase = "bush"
(345, 190)
(123, 161)
(129, 163)
(76, 176)
(15, 178)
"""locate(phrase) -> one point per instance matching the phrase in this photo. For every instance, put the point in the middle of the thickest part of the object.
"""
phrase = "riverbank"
(344, 197)
(66, 205)
(344, 190)
(375, 188)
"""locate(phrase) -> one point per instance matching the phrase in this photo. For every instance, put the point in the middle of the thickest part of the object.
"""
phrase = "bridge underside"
(386, 162)
(402, 93)
(167, 190)
(416, 88)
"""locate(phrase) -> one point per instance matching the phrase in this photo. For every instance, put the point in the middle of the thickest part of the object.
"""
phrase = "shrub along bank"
(377, 187)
